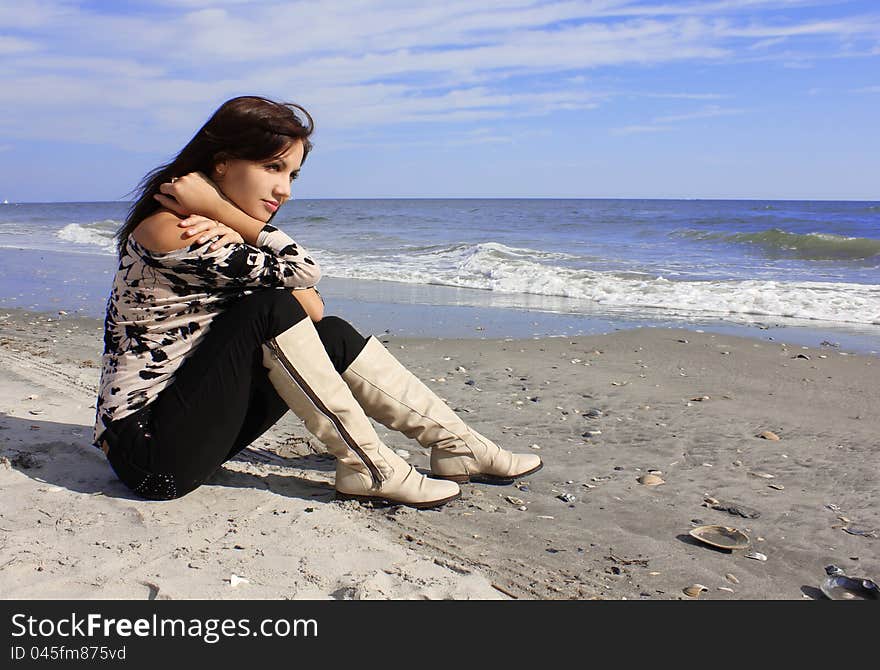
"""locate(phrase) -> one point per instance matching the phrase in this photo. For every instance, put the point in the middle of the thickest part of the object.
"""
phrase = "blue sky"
(516, 98)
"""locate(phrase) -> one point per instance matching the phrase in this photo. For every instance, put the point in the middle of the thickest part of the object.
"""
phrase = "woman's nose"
(282, 189)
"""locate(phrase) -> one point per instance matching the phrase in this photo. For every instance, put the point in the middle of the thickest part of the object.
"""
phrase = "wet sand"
(685, 404)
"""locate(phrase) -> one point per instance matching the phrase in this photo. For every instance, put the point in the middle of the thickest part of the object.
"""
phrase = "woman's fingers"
(196, 224)
(170, 203)
(221, 242)
(222, 235)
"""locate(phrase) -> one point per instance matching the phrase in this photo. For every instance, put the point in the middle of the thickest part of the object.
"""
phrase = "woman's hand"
(208, 228)
(311, 302)
(193, 193)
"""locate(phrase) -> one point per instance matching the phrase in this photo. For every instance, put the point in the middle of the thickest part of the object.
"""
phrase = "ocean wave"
(99, 233)
(806, 246)
(495, 267)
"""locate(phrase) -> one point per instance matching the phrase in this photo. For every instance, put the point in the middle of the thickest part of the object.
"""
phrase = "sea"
(800, 272)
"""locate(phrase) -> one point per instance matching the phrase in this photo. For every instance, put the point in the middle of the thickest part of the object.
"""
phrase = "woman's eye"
(273, 166)
(293, 176)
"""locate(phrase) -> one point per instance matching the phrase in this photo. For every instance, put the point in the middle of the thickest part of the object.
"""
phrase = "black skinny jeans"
(220, 401)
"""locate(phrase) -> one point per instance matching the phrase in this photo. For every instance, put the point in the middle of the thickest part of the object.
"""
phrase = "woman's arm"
(194, 193)
(311, 302)
(275, 261)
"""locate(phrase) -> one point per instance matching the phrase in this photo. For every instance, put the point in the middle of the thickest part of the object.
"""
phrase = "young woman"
(214, 329)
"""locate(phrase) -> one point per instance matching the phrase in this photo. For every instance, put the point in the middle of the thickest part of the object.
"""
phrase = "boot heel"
(363, 500)
(458, 479)
(387, 502)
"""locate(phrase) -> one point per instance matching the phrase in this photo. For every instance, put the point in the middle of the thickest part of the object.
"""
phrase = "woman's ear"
(220, 166)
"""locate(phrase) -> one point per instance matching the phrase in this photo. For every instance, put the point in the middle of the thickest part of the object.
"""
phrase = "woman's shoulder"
(160, 233)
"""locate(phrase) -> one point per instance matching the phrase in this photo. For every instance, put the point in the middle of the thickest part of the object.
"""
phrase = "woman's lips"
(271, 206)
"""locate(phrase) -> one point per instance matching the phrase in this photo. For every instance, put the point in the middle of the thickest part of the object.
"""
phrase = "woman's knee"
(282, 309)
(335, 328)
(341, 340)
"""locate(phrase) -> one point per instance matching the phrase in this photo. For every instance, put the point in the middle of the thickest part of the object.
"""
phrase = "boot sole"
(387, 502)
(487, 479)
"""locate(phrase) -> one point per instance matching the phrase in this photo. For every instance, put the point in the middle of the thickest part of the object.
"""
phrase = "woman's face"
(259, 188)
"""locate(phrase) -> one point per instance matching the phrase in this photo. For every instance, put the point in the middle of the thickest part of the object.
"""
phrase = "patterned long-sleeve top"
(161, 305)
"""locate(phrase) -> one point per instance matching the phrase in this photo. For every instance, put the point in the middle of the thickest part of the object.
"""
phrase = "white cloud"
(633, 130)
(15, 45)
(667, 123)
(707, 113)
(358, 63)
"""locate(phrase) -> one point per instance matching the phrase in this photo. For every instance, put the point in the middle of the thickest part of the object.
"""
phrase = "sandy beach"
(602, 411)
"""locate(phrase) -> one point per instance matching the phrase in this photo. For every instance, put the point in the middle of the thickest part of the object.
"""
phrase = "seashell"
(723, 537)
(33, 396)
(839, 586)
(515, 501)
(778, 487)
(860, 532)
(762, 475)
(731, 578)
(757, 555)
(651, 480)
(694, 590)
(701, 398)
(724, 588)
(770, 435)
(847, 588)
(235, 580)
(35, 412)
(403, 453)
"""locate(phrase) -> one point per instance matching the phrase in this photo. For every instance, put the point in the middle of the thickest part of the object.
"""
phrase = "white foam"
(98, 234)
(495, 267)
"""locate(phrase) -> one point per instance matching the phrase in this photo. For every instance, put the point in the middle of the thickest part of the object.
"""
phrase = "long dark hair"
(248, 127)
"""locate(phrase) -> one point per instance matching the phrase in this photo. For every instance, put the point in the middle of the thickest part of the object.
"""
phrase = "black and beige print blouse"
(161, 305)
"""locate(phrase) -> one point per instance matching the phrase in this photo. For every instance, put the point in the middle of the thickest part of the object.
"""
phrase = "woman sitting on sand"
(214, 329)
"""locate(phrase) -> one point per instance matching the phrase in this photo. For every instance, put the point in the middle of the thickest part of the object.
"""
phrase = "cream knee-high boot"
(397, 399)
(367, 470)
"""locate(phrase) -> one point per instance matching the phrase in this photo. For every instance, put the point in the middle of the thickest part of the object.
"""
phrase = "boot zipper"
(346, 437)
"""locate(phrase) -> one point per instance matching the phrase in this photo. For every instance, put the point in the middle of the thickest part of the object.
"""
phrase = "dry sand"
(687, 404)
